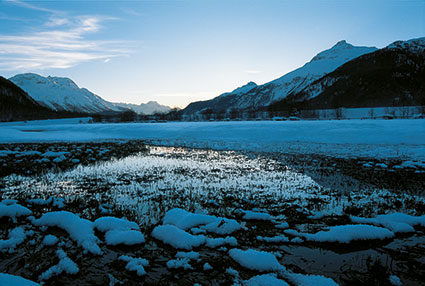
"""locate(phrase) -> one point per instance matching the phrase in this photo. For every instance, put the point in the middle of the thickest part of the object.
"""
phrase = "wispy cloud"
(61, 42)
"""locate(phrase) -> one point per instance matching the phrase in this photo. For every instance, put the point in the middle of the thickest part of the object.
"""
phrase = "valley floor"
(269, 206)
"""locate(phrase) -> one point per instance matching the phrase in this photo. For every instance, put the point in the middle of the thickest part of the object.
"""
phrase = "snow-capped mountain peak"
(414, 45)
(245, 88)
(61, 93)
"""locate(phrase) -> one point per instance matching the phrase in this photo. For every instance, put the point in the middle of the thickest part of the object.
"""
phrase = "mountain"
(151, 107)
(293, 82)
(15, 104)
(392, 76)
(62, 94)
(59, 93)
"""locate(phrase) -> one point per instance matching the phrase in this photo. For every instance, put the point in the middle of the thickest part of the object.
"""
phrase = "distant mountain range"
(342, 76)
(62, 94)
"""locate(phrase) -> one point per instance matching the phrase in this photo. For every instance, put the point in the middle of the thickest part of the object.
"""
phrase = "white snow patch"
(250, 215)
(119, 231)
(135, 264)
(216, 242)
(13, 210)
(265, 280)
(16, 237)
(12, 280)
(177, 237)
(65, 265)
(50, 240)
(80, 230)
(179, 263)
(192, 255)
(396, 222)
(256, 260)
(310, 280)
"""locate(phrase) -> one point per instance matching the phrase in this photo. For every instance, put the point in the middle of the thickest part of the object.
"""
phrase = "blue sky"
(176, 52)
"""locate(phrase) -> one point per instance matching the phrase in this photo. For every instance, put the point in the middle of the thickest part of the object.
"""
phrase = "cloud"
(61, 42)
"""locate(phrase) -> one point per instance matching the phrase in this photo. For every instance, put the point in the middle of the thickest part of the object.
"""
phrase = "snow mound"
(16, 237)
(176, 237)
(256, 260)
(179, 263)
(9, 280)
(348, 233)
(396, 222)
(250, 215)
(135, 264)
(310, 280)
(65, 265)
(192, 255)
(274, 239)
(186, 220)
(119, 231)
(216, 242)
(265, 280)
(80, 230)
(50, 240)
(13, 210)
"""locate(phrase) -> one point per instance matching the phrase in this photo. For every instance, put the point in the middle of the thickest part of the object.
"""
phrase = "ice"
(256, 260)
(50, 240)
(265, 280)
(177, 237)
(347, 233)
(216, 242)
(16, 237)
(80, 230)
(338, 138)
(179, 263)
(310, 280)
(12, 280)
(135, 264)
(65, 265)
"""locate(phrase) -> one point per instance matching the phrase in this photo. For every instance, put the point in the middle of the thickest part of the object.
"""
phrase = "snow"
(186, 220)
(80, 230)
(65, 265)
(50, 240)
(250, 215)
(13, 210)
(176, 237)
(310, 280)
(395, 281)
(135, 264)
(179, 263)
(340, 138)
(347, 233)
(192, 255)
(108, 223)
(207, 267)
(12, 280)
(282, 225)
(54, 154)
(216, 242)
(127, 237)
(274, 239)
(16, 237)
(256, 260)
(265, 280)
(396, 222)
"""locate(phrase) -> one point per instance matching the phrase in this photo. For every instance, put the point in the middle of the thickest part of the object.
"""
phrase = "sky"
(177, 52)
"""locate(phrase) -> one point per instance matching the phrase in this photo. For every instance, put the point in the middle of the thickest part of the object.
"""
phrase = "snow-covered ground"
(341, 138)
